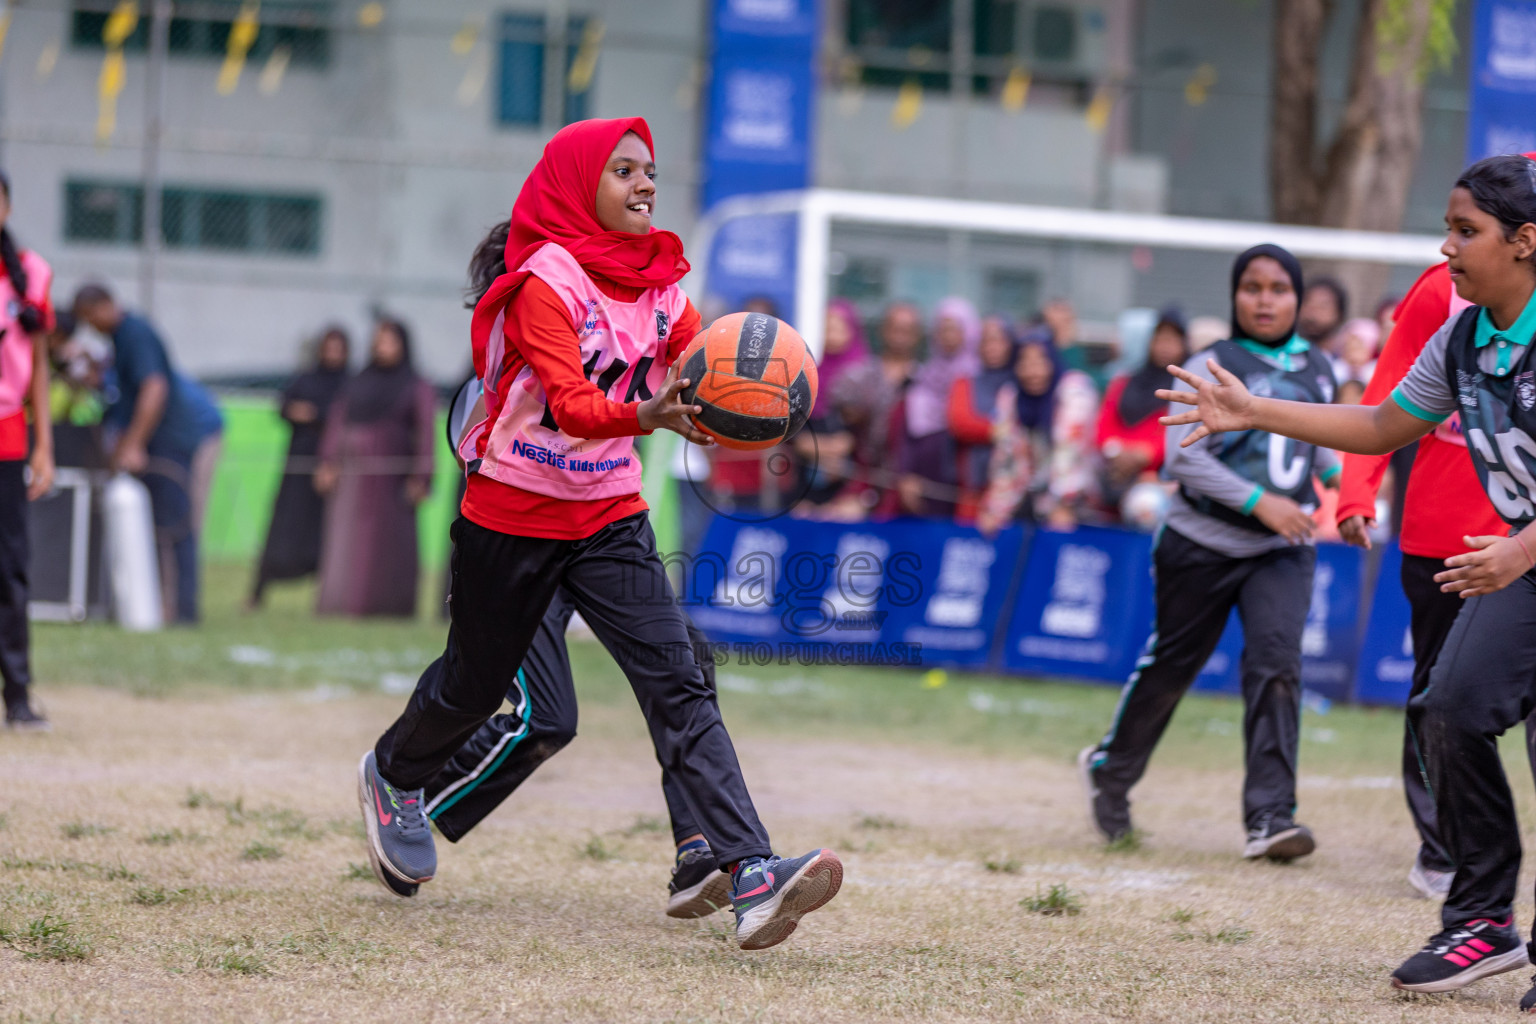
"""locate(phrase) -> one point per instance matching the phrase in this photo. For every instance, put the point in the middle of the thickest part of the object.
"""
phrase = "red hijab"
(558, 203)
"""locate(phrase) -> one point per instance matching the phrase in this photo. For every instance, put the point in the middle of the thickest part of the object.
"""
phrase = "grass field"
(185, 847)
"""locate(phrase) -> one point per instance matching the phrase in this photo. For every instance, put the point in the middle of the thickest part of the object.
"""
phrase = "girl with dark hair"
(1238, 535)
(576, 348)
(375, 469)
(26, 313)
(292, 550)
(1481, 365)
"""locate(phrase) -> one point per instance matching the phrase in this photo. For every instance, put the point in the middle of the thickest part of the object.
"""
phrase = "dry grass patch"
(552, 910)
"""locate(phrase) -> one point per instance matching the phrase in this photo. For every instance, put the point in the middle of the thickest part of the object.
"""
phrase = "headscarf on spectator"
(991, 379)
(928, 397)
(378, 392)
(1037, 412)
(834, 366)
(1138, 399)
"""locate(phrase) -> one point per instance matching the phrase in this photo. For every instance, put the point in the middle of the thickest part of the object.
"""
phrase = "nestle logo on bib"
(663, 322)
(1525, 389)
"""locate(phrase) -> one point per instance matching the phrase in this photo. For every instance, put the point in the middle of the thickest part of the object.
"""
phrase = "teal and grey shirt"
(1222, 477)
(1489, 376)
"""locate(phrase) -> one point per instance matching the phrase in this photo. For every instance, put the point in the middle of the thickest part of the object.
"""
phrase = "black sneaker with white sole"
(22, 718)
(399, 837)
(1108, 808)
(1528, 1001)
(771, 895)
(1459, 956)
(698, 887)
(1278, 837)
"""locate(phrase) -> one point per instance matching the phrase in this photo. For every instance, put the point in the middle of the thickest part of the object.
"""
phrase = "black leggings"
(505, 750)
(502, 586)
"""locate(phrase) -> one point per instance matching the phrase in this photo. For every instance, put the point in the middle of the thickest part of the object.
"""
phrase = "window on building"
(262, 223)
(300, 26)
(892, 42)
(520, 96)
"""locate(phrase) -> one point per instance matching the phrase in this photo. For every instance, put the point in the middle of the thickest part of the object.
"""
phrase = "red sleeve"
(1422, 312)
(539, 329)
(685, 330)
(965, 423)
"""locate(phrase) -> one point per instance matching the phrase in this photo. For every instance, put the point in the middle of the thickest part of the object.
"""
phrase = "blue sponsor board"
(757, 138)
(914, 592)
(1084, 606)
(1331, 639)
(1386, 655)
(963, 581)
(903, 592)
(1501, 115)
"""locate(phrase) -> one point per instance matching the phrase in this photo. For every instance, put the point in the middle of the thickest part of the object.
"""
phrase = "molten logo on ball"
(754, 378)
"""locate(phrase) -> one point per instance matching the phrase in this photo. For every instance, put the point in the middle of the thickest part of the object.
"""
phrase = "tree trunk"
(1295, 181)
(1363, 183)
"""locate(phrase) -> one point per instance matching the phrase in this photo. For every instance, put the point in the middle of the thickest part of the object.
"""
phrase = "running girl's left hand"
(665, 410)
(42, 469)
(1220, 406)
(1495, 563)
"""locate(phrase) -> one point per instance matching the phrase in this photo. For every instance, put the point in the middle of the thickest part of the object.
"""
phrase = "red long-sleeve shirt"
(1147, 435)
(1445, 500)
(540, 335)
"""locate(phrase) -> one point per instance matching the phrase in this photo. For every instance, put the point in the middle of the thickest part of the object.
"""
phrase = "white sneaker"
(1431, 884)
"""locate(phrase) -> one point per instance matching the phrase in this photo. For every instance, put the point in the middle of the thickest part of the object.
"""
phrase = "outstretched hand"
(1220, 405)
(665, 409)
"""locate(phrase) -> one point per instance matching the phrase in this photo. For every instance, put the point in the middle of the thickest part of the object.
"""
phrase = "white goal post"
(819, 208)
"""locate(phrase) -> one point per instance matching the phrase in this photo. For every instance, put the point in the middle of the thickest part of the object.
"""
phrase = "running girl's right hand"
(1356, 530)
(1219, 406)
(1285, 517)
(665, 410)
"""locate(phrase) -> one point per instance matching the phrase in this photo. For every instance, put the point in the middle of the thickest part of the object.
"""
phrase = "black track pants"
(506, 749)
(502, 586)
(1196, 590)
(1483, 682)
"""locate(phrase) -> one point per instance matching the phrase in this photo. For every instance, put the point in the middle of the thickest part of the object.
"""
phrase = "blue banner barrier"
(963, 591)
(1084, 607)
(909, 592)
(928, 593)
(1386, 655)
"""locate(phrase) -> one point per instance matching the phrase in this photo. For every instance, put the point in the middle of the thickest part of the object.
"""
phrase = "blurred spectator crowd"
(987, 421)
(950, 414)
(359, 460)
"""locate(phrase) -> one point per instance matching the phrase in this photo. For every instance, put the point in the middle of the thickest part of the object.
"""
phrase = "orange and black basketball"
(754, 377)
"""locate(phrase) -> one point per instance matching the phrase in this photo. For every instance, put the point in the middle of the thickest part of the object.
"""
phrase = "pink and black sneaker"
(1461, 955)
(771, 895)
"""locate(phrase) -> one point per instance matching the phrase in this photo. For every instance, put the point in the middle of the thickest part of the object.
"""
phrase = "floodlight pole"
(154, 131)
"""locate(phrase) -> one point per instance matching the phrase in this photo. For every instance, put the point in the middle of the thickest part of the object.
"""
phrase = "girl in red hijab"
(575, 347)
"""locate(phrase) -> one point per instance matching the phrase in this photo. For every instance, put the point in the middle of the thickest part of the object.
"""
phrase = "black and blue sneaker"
(771, 895)
(698, 887)
(400, 845)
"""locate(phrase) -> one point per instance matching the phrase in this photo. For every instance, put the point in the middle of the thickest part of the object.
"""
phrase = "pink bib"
(16, 344)
(622, 350)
